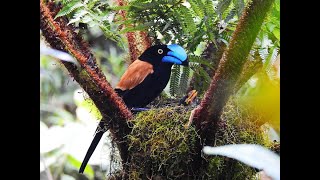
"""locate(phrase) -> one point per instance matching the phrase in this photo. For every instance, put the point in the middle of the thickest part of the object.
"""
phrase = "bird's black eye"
(160, 51)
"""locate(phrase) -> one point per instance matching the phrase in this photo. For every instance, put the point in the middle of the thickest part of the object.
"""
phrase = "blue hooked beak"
(176, 55)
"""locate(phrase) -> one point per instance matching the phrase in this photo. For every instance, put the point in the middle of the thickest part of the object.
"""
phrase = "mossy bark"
(207, 114)
(89, 76)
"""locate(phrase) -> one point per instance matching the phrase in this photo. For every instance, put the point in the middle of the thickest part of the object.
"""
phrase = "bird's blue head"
(171, 54)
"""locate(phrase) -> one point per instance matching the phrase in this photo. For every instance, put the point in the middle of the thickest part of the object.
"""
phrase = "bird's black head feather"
(154, 54)
(169, 54)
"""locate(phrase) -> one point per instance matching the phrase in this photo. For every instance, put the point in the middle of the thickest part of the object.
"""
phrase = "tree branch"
(207, 114)
(138, 41)
(62, 37)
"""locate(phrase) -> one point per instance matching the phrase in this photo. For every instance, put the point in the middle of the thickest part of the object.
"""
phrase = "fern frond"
(204, 74)
(78, 15)
(227, 11)
(69, 7)
(270, 58)
(230, 15)
(263, 52)
(200, 60)
(174, 80)
(87, 19)
(196, 8)
(196, 40)
(113, 36)
(222, 6)
(239, 5)
(210, 9)
(187, 20)
(267, 67)
(140, 27)
(92, 3)
(202, 78)
(179, 18)
(184, 79)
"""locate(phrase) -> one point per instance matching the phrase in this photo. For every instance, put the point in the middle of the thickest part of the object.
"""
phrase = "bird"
(143, 81)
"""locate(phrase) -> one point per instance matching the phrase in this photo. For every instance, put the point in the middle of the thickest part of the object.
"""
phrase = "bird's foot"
(136, 110)
(188, 99)
(186, 126)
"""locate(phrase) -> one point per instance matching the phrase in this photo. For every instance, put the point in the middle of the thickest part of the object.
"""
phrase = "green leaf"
(210, 9)
(174, 80)
(196, 8)
(187, 20)
(184, 80)
(200, 72)
(196, 40)
(77, 16)
(239, 5)
(67, 9)
(166, 26)
(76, 164)
(270, 26)
(200, 60)
(276, 33)
(144, 6)
(140, 27)
(92, 3)
(230, 15)
(272, 55)
(222, 6)
(87, 19)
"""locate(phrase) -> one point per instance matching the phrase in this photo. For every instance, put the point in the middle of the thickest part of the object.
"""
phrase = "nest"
(160, 147)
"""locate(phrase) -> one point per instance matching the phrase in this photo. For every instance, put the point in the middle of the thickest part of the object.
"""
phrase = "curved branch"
(206, 115)
(62, 37)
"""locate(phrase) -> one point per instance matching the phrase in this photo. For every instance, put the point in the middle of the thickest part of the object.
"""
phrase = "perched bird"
(143, 81)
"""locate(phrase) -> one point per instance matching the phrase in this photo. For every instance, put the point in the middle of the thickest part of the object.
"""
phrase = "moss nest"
(238, 125)
(160, 147)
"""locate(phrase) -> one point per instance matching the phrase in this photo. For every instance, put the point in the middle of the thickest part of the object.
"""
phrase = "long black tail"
(92, 147)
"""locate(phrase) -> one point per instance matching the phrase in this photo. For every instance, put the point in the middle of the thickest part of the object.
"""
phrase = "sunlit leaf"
(66, 177)
(58, 54)
(264, 99)
(76, 164)
(253, 155)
